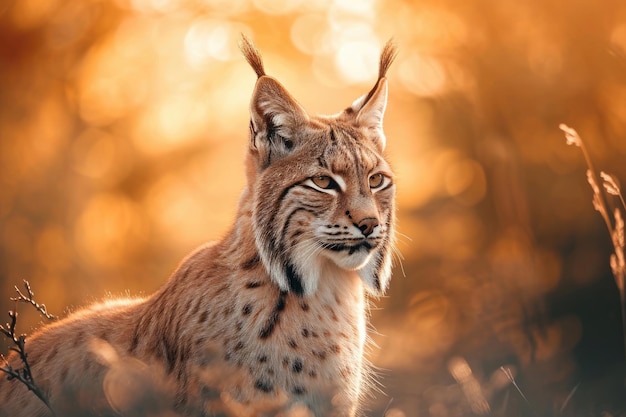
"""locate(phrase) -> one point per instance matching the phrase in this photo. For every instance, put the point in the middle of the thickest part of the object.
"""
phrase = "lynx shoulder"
(271, 319)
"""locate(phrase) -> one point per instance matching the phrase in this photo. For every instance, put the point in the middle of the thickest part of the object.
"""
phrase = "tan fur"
(272, 319)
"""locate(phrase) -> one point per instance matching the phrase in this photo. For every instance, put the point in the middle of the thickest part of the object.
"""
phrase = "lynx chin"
(271, 320)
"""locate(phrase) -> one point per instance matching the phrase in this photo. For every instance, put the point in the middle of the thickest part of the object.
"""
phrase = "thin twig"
(29, 299)
(25, 378)
(24, 374)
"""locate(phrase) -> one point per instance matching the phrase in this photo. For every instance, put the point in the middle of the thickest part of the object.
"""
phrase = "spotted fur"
(272, 319)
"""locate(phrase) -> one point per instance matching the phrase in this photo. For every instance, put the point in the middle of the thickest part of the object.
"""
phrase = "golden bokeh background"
(123, 128)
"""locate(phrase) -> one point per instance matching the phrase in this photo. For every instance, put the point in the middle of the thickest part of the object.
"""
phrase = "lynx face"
(356, 189)
(325, 193)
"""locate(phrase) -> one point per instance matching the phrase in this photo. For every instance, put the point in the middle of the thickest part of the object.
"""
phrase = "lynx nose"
(367, 225)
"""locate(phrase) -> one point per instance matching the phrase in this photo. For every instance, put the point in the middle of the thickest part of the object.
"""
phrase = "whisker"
(402, 235)
(316, 248)
(397, 255)
(311, 247)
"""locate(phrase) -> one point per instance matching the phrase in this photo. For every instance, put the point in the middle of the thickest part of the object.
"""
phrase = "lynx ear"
(370, 108)
(275, 117)
(370, 113)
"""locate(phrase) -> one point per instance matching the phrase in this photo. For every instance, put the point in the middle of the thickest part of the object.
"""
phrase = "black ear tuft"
(252, 55)
(387, 56)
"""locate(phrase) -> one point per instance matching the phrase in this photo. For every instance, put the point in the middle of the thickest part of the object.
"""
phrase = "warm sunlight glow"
(169, 124)
(618, 37)
(108, 90)
(29, 13)
(209, 39)
(110, 228)
(171, 204)
(435, 29)
(357, 61)
(154, 6)
(465, 180)
(277, 7)
(311, 34)
(423, 75)
(355, 7)
(124, 128)
(101, 156)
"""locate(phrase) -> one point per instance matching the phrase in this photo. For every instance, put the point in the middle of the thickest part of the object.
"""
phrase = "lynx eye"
(323, 181)
(377, 180)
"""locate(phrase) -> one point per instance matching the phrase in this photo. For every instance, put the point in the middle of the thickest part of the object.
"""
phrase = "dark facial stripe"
(279, 203)
(294, 280)
(293, 213)
(272, 220)
(285, 229)
(288, 223)
(282, 196)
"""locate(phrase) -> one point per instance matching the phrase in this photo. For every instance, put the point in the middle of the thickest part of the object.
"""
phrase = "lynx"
(271, 320)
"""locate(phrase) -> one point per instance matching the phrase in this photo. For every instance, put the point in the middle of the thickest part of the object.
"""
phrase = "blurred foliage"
(123, 128)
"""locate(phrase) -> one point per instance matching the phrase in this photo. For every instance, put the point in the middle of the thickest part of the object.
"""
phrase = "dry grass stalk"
(612, 218)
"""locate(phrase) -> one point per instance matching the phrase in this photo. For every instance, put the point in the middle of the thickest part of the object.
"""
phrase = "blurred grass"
(123, 128)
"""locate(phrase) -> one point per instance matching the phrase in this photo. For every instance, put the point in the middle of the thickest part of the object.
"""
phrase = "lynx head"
(323, 193)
